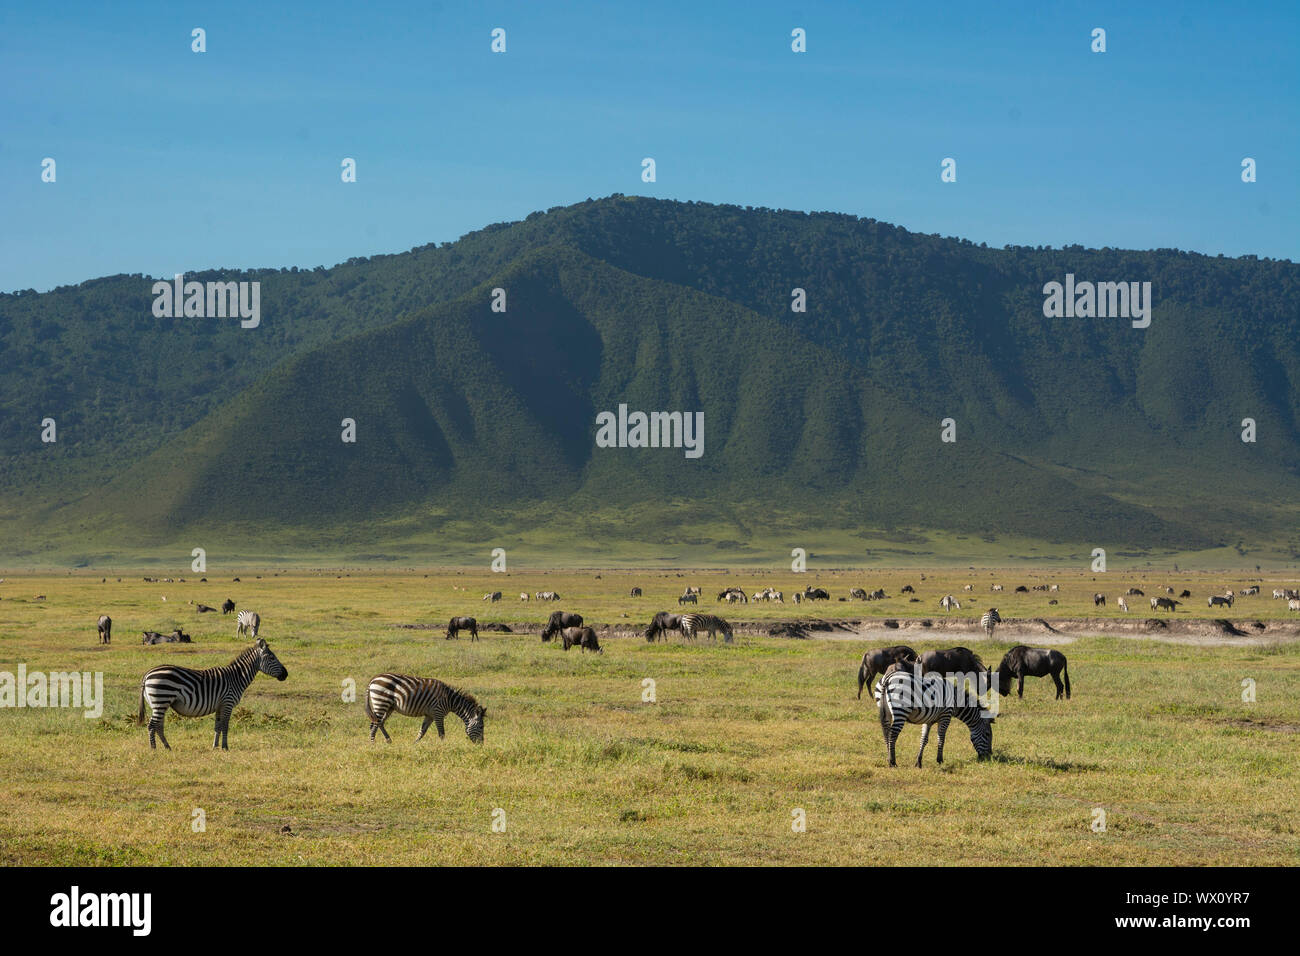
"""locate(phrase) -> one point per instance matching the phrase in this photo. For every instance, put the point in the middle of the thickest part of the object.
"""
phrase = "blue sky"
(173, 161)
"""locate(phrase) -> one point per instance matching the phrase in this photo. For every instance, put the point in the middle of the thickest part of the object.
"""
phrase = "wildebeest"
(558, 622)
(953, 660)
(1021, 589)
(584, 637)
(688, 598)
(1216, 601)
(816, 594)
(877, 662)
(635, 592)
(458, 624)
(105, 627)
(1098, 599)
(204, 609)
(492, 596)
(1135, 592)
(227, 606)
(662, 623)
(1022, 661)
(1186, 593)
(1164, 603)
(908, 589)
(175, 637)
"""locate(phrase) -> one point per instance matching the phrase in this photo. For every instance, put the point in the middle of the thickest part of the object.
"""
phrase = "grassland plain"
(586, 772)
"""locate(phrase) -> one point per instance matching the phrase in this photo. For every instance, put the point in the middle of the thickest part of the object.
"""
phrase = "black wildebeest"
(204, 609)
(558, 622)
(635, 592)
(105, 627)
(816, 594)
(1135, 592)
(662, 623)
(584, 637)
(908, 589)
(877, 662)
(1022, 661)
(1021, 589)
(954, 660)
(458, 624)
(1186, 593)
(227, 606)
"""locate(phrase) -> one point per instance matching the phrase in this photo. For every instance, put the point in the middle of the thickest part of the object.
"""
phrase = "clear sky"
(169, 160)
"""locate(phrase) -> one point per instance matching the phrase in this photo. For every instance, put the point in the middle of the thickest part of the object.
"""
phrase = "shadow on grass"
(1045, 763)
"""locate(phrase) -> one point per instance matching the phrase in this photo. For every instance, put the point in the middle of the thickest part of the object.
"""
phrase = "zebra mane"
(464, 704)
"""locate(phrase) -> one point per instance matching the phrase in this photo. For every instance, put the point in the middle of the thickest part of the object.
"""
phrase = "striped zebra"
(247, 622)
(989, 620)
(194, 693)
(694, 623)
(949, 602)
(424, 697)
(904, 697)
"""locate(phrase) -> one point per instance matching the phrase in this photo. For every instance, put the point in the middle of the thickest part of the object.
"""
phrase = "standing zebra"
(692, 623)
(247, 621)
(949, 602)
(990, 620)
(194, 693)
(424, 697)
(904, 698)
(105, 628)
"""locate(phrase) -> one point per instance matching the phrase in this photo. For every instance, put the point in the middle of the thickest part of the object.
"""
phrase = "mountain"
(475, 426)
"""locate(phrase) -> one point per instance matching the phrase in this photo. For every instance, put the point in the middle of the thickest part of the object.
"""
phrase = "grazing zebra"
(492, 596)
(247, 622)
(458, 624)
(1293, 604)
(988, 620)
(693, 623)
(1168, 604)
(424, 697)
(798, 597)
(1252, 590)
(969, 587)
(547, 596)
(776, 596)
(949, 602)
(1135, 592)
(523, 595)
(1100, 599)
(1216, 601)
(1123, 605)
(688, 598)
(194, 693)
(105, 627)
(857, 594)
(997, 587)
(904, 697)
(1054, 587)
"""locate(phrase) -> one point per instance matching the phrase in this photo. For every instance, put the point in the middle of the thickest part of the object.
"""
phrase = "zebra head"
(474, 726)
(981, 737)
(268, 663)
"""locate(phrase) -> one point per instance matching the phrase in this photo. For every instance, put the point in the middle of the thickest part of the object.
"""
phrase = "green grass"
(1156, 735)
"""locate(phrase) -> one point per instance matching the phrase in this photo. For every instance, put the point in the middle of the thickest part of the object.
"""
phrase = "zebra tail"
(369, 713)
(139, 718)
(882, 705)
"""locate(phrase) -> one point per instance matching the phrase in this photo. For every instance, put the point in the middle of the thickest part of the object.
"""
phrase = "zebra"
(692, 623)
(194, 693)
(523, 595)
(247, 622)
(1215, 601)
(1099, 599)
(425, 697)
(492, 596)
(1123, 605)
(905, 697)
(1293, 604)
(105, 627)
(988, 620)
(949, 602)
(688, 598)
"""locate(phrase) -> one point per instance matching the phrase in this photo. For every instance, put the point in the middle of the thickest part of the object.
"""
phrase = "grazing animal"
(1250, 591)
(692, 624)
(227, 606)
(1098, 600)
(1278, 593)
(1293, 605)
(1216, 601)
(458, 624)
(732, 595)
(908, 589)
(989, 620)
(816, 594)
(1021, 662)
(1186, 593)
(1123, 605)
(997, 587)
(247, 622)
(523, 595)
(195, 693)
(954, 660)
(175, 637)
(1053, 601)
(777, 596)
(903, 697)
(635, 592)
(425, 697)
(558, 622)
(585, 637)
(662, 623)
(857, 594)
(949, 602)
(877, 662)
(1054, 587)
(1135, 592)
(105, 628)
(798, 597)
(204, 609)
(1169, 590)
(688, 598)
(492, 596)
(1164, 603)
(1021, 589)
(878, 594)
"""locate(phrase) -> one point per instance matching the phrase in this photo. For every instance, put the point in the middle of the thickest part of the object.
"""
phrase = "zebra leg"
(156, 724)
(943, 732)
(441, 733)
(424, 729)
(891, 738)
(382, 729)
(925, 737)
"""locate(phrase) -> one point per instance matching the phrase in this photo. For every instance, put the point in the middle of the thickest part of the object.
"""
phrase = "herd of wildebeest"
(923, 688)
